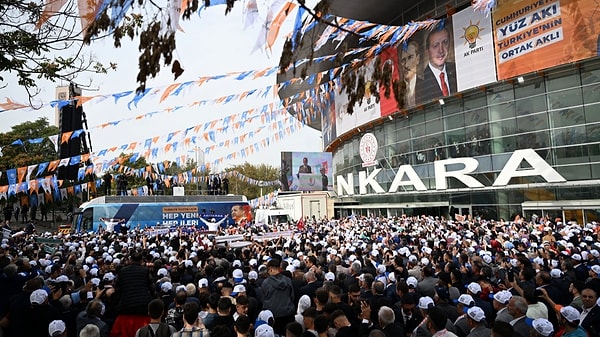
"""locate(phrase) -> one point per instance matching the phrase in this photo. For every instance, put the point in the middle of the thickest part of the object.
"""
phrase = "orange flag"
(21, 171)
(277, 22)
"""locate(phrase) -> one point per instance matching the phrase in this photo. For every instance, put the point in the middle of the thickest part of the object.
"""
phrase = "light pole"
(197, 149)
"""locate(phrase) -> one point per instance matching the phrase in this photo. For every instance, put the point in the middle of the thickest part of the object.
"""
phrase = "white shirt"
(584, 314)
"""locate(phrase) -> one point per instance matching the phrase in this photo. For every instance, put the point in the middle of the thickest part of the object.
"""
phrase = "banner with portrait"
(539, 34)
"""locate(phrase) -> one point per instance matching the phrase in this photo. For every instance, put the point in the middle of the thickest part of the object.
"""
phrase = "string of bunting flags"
(386, 35)
(20, 178)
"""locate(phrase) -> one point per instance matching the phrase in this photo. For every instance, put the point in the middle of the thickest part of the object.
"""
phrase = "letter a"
(539, 167)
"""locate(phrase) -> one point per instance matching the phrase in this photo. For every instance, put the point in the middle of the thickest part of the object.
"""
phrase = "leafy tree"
(35, 54)
(260, 172)
(35, 51)
(26, 153)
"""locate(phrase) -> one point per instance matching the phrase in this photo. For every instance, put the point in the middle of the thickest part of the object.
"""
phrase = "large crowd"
(358, 276)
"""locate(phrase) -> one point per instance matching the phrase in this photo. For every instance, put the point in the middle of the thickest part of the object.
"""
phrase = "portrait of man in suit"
(439, 75)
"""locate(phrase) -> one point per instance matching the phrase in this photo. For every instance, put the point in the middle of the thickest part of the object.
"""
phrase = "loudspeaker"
(71, 119)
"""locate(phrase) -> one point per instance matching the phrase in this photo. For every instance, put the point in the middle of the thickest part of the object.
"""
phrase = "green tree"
(24, 153)
(262, 172)
(34, 54)
(33, 51)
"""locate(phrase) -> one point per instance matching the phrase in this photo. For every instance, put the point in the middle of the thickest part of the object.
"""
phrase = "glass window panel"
(565, 98)
(476, 116)
(533, 87)
(455, 136)
(403, 134)
(593, 132)
(434, 126)
(569, 136)
(390, 132)
(575, 172)
(592, 112)
(533, 140)
(420, 143)
(504, 127)
(453, 106)
(502, 111)
(595, 170)
(533, 122)
(504, 144)
(570, 155)
(433, 113)
(531, 105)
(418, 130)
(591, 93)
(416, 118)
(567, 117)
(568, 78)
(590, 73)
(455, 121)
(475, 101)
(477, 137)
(502, 94)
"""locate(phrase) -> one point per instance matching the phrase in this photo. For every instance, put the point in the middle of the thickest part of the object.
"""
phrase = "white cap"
(238, 289)
(556, 273)
(238, 275)
(576, 257)
(252, 275)
(237, 263)
(503, 296)
(56, 328)
(466, 299)
(264, 330)
(38, 296)
(596, 269)
(476, 313)
(381, 269)
(411, 281)
(162, 272)
(203, 283)
(474, 287)
(542, 326)
(166, 287)
(109, 277)
(265, 315)
(570, 314)
(329, 276)
(426, 302)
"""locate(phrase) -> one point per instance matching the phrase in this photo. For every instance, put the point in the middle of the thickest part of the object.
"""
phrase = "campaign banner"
(473, 49)
(534, 35)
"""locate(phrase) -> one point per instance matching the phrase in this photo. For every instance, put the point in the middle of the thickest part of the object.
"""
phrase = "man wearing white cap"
(40, 315)
(500, 304)
(476, 321)
(463, 302)
(569, 318)
(57, 328)
(474, 289)
(541, 327)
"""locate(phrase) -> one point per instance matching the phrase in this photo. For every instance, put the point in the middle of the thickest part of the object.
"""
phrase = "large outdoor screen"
(306, 171)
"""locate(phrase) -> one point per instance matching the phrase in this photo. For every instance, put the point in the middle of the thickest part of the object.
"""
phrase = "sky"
(211, 45)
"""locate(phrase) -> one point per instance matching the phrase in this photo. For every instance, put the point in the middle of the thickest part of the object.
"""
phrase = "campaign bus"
(112, 213)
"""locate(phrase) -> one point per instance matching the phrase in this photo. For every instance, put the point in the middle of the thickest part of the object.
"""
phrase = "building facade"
(526, 143)
(555, 113)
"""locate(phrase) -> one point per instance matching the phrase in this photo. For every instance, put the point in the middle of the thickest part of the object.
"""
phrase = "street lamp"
(197, 150)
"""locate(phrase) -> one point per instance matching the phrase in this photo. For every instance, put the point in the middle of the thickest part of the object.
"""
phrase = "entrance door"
(458, 212)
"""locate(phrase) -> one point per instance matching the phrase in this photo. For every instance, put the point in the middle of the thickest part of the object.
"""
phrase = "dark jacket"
(134, 288)
(591, 323)
(278, 295)
(427, 87)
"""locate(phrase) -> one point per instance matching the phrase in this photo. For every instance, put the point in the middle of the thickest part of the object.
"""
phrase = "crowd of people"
(359, 276)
